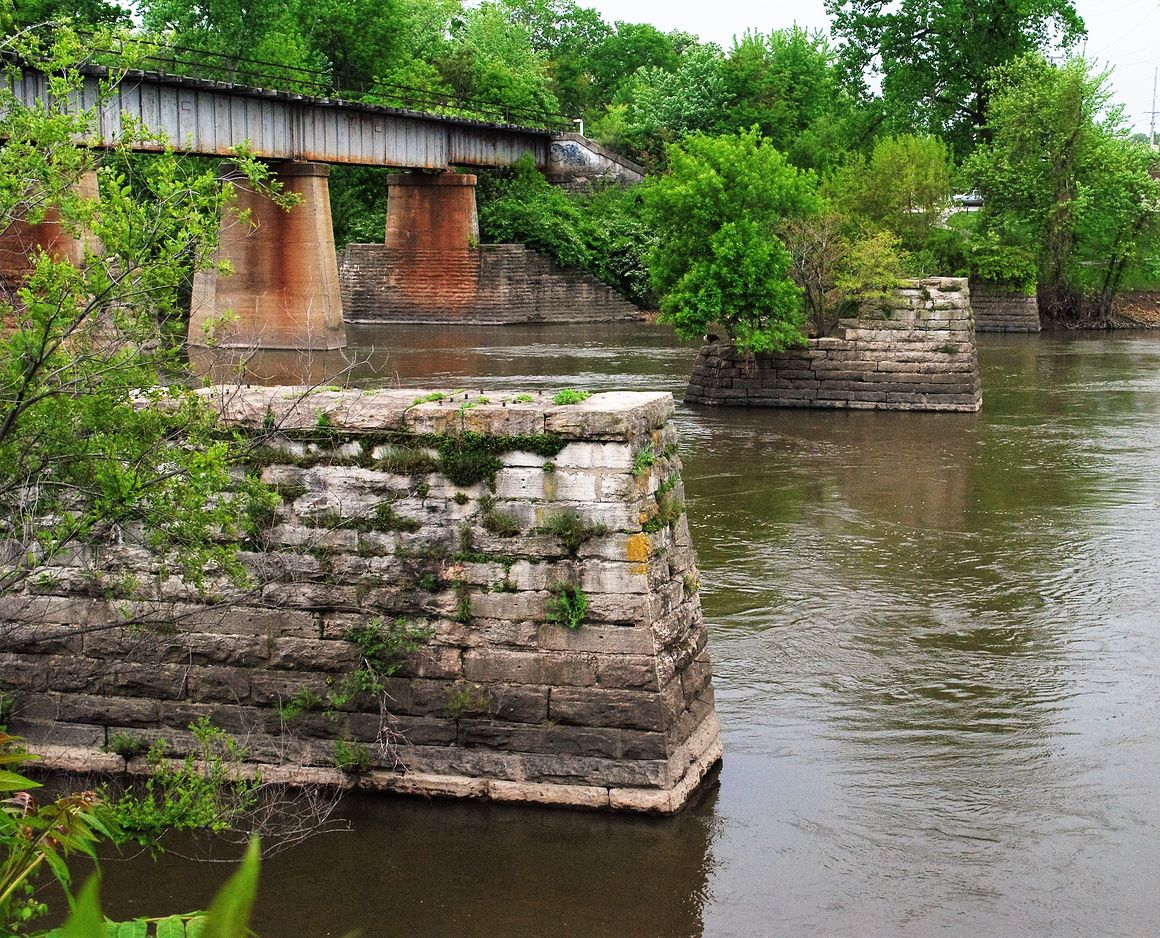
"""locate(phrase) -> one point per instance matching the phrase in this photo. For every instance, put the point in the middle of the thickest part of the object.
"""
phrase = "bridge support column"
(21, 240)
(432, 213)
(432, 246)
(283, 292)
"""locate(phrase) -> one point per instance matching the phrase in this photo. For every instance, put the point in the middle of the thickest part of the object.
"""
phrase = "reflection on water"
(935, 650)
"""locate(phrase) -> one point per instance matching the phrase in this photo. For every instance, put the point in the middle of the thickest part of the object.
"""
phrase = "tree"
(661, 106)
(789, 86)
(904, 186)
(839, 267)
(718, 257)
(563, 34)
(934, 57)
(492, 60)
(1061, 176)
(631, 46)
(90, 444)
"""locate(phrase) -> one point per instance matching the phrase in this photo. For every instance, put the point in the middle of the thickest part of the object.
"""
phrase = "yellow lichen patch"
(639, 547)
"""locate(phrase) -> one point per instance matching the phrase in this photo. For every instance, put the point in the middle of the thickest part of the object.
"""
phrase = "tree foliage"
(903, 186)
(934, 57)
(89, 442)
(1061, 177)
(718, 258)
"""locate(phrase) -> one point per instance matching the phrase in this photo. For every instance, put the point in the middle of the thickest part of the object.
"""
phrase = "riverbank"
(1139, 309)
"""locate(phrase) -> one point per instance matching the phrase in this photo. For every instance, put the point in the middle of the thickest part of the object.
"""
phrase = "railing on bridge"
(157, 56)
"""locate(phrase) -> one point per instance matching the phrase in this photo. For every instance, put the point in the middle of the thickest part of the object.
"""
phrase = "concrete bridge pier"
(432, 244)
(432, 213)
(21, 240)
(283, 292)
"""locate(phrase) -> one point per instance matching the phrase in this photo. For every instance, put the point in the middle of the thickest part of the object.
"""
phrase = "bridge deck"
(208, 118)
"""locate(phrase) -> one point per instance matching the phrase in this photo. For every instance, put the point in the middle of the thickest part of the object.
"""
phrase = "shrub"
(570, 396)
(126, 746)
(571, 528)
(351, 757)
(203, 791)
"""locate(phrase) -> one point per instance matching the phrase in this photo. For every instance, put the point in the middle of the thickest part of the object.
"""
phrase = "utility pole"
(1152, 129)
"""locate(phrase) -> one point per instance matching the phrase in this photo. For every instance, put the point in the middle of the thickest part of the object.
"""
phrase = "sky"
(1123, 35)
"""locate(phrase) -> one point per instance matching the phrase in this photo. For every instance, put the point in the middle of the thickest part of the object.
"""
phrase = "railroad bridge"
(284, 292)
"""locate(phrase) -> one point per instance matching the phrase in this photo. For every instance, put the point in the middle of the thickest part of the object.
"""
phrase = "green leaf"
(86, 920)
(174, 927)
(229, 915)
(13, 781)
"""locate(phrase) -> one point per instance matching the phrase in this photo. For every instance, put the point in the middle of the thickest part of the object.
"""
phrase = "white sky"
(1122, 34)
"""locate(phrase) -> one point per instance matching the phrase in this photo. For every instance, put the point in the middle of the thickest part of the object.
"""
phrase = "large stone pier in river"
(540, 550)
(917, 352)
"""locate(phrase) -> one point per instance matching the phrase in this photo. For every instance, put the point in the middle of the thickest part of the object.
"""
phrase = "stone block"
(569, 485)
(307, 654)
(218, 684)
(567, 769)
(586, 455)
(519, 703)
(620, 579)
(572, 796)
(500, 420)
(622, 672)
(613, 415)
(132, 679)
(533, 667)
(106, 710)
(607, 708)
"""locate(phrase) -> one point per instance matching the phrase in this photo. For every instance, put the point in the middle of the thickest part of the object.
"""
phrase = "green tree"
(90, 441)
(934, 57)
(661, 106)
(718, 258)
(601, 232)
(492, 61)
(1061, 176)
(87, 13)
(563, 34)
(789, 86)
(631, 46)
(903, 186)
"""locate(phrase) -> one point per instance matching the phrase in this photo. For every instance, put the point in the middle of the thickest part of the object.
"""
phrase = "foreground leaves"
(228, 915)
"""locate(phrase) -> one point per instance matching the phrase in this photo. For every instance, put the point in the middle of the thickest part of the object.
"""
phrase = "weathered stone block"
(607, 708)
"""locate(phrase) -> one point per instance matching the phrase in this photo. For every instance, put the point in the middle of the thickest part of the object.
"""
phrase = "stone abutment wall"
(918, 354)
(998, 309)
(540, 553)
(494, 284)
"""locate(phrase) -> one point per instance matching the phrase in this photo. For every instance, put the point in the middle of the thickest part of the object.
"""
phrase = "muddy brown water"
(935, 649)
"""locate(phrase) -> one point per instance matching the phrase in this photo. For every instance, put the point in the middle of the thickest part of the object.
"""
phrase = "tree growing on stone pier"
(718, 259)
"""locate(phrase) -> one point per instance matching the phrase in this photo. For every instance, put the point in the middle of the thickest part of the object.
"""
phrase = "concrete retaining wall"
(920, 356)
(500, 701)
(495, 284)
(1000, 310)
(579, 164)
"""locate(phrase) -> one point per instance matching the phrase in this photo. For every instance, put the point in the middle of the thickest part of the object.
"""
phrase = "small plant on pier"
(499, 523)
(126, 745)
(568, 605)
(204, 791)
(570, 396)
(644, 460)
(351, 757)
(572, 529)
(467, 700)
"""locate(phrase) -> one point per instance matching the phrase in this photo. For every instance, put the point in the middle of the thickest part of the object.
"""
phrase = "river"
(935, 645)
